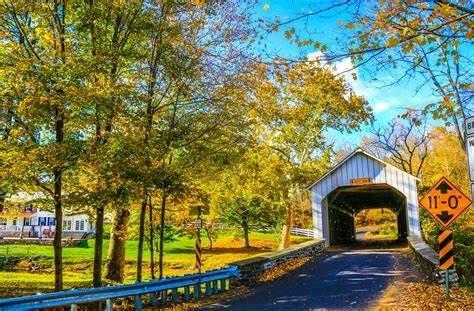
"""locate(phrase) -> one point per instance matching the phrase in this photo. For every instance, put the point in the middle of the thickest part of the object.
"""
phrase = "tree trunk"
(152, 255)
(285, 232)
(3, 196)
(246, 243)
(141, 236)
(210, 240)
(162, 232)
(115, 266)
(58, 256)
(99, 238)
(245, 229)
(58, 209)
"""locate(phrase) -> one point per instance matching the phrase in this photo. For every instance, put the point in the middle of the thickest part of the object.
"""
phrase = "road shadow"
(370, 244)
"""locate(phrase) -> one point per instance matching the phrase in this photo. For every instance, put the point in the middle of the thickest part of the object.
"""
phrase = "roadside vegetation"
(78, 260)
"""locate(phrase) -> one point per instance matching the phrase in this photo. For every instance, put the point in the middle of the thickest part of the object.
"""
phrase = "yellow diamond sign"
(445, 202)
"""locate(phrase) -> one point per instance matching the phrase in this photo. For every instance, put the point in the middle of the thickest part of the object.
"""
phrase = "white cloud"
(316, 56)
(344, 67)
(380, 107)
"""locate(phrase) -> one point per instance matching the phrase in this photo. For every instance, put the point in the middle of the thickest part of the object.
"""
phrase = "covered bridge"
(362, 181)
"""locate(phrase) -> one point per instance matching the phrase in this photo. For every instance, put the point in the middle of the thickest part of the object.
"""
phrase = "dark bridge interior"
(345, 202)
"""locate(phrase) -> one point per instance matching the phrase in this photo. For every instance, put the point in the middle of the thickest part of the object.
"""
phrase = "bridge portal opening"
(345, 202)
(376, 224)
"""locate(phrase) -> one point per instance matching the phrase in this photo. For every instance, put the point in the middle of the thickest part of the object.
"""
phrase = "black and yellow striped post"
(446, 250)
(446, 255)
(197, 250)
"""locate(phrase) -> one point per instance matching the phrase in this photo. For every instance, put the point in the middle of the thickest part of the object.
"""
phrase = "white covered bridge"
(362, 181)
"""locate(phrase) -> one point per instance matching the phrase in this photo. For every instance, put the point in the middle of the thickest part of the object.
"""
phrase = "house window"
(42, 221)
(51, 221)
(3, 221)
(14, 222)
(67, 225)
(26, 221)
(79, 225)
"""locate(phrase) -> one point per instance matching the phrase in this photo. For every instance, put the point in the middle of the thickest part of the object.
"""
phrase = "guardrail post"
(186, 293)
(223, 285)
(109, 305)
(215, 288)
(154, 301)
(197, 290)
(175, 294)
(138, 303)
(73, 307)
(208, 289)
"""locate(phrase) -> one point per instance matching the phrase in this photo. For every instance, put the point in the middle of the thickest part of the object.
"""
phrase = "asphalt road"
(341, 279)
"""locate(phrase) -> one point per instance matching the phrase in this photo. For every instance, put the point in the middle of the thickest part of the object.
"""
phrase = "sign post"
(198, 210)
(198, 249)
(444, 202)
(446, 255)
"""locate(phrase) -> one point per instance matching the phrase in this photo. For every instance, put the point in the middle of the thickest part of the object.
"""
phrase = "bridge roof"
(351, 155)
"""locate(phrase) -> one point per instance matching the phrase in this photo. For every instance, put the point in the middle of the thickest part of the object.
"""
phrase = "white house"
(32, 222)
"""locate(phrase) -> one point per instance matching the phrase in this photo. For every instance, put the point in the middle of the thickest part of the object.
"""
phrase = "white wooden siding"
(360, 164)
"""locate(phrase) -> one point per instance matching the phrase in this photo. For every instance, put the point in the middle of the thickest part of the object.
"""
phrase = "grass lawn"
(178, 260)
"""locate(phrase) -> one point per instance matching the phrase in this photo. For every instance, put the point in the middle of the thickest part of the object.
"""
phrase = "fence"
(303, 232)
(169, 289)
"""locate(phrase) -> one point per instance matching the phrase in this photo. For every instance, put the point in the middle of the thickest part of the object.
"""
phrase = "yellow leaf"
(201, 3)
(392, 42)
(470, 34)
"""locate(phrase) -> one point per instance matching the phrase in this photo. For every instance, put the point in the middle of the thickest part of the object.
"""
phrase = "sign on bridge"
(445, 202)
(360, 181)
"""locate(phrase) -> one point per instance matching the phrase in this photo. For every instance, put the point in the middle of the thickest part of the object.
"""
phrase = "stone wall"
(428, 259)
(10, 234)
(37, 241)
(251, 268)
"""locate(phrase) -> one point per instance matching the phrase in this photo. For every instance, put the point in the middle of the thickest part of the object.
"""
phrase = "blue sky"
(386, 101)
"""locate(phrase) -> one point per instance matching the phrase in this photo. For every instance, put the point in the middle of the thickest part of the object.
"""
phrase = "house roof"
(352, 154)
(24, 197)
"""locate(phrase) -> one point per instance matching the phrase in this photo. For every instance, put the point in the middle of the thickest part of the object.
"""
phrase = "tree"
(294, 108)
(445, 158)
(211, 230)
(405, 141)
(242, 195)
(189, 85)
(41, 73)
(411, 39)
(110, 51)
(426, 39)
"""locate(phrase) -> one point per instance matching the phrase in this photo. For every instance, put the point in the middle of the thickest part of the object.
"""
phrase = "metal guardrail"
(164, 290)
(303, 232)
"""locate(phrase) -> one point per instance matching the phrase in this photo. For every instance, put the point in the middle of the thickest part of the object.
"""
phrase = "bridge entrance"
(362, 181)
(344, 203)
